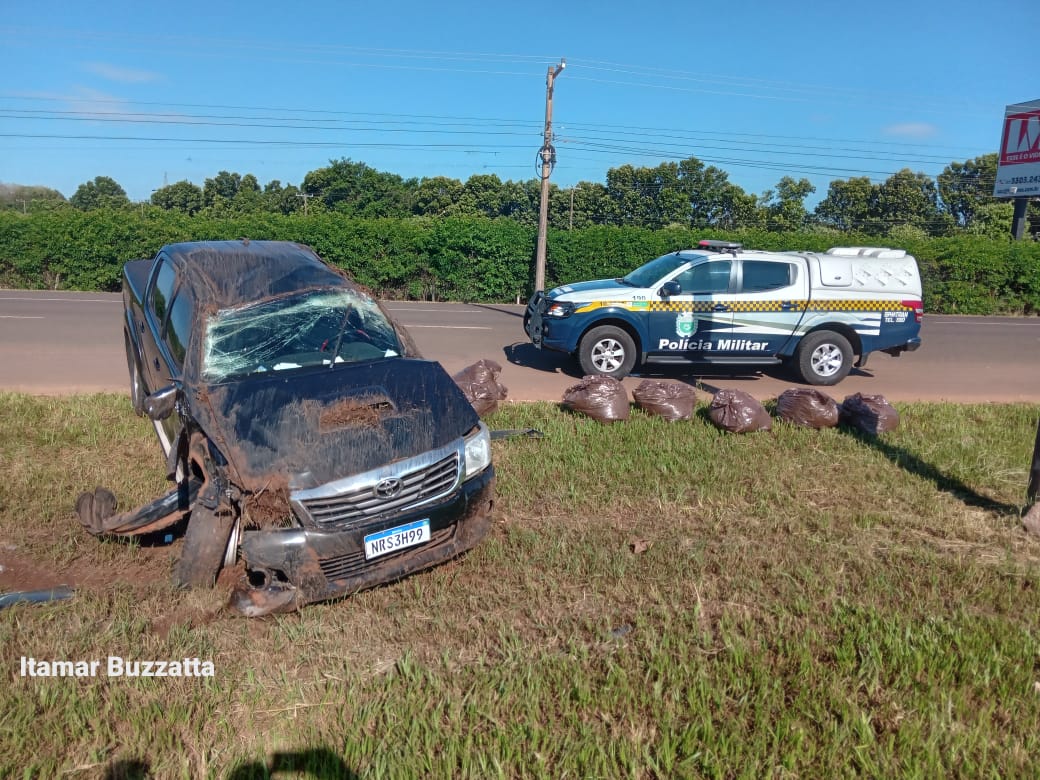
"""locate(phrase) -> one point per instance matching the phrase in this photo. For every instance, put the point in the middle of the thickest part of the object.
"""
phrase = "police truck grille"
(363, 503)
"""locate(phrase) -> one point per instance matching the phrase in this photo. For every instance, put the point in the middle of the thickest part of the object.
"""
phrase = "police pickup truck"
(723, 305)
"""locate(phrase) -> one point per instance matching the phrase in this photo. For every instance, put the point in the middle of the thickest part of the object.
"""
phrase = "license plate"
(394, 539)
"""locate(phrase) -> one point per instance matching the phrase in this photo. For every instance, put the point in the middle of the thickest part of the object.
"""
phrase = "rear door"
(770, 302)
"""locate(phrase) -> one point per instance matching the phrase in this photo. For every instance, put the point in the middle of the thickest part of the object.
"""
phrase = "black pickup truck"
(305, 435)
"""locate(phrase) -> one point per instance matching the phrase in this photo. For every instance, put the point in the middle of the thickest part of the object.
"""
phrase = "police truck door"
(695, 305)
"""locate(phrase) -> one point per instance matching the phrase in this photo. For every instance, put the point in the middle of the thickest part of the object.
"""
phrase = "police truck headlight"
(560, 310)
(478, 451)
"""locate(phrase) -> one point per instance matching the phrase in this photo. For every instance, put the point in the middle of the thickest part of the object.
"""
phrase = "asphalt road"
(57, 343)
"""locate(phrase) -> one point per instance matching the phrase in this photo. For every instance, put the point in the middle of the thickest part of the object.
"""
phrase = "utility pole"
(548, 155)
(306, 196)
(570, 219)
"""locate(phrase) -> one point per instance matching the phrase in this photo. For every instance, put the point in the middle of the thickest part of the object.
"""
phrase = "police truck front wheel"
(823, 358)
(608, 351)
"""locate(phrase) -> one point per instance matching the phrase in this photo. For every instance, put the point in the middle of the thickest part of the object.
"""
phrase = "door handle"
(155, 362)
(720, 307)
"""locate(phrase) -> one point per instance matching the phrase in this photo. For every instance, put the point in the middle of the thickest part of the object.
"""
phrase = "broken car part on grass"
(306, 437)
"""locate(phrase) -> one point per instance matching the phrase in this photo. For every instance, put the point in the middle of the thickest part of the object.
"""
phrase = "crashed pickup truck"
(306, 436)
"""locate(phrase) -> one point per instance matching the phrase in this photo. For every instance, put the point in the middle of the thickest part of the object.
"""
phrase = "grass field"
(655, 600)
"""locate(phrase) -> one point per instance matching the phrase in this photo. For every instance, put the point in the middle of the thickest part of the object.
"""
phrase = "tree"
(712, 197)
(356, 188)
(101, 193)
(736, 209)
(221, 189)
(248, 199)
(965, 187)
(482, 195)
(180, 196)
(907, 198)
(520, 201)
(282, 200)
(848, 205)
(437, 196)
(648, 197)
(785, 208)
(19, 197)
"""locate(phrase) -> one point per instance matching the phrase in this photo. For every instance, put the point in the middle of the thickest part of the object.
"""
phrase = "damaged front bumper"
(289, 567)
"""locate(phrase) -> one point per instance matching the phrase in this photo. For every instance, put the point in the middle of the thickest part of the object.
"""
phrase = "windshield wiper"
(339, 336)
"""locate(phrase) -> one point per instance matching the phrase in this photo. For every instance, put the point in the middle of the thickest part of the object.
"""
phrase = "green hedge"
(475, 259)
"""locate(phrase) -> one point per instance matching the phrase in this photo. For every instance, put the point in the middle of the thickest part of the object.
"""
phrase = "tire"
(136, 388)
(823, 358)
(607, 351)
(205, 547)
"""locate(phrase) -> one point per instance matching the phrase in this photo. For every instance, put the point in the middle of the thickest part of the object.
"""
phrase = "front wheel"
(206, 547)
(823, 358)
(607, 351)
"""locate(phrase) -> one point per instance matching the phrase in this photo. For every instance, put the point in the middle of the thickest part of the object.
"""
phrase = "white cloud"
(911, 130)
(122, 75)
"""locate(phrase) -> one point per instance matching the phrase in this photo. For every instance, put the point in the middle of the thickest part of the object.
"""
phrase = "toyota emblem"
(387, 488)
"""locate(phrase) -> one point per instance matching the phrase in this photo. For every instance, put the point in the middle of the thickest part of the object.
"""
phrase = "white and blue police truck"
(723, 305)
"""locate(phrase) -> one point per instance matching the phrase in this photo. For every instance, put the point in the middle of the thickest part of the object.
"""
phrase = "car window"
(710, 277)
(319, 327)
(178, 327)
(162, 290)
(652, 272)
(761, 276)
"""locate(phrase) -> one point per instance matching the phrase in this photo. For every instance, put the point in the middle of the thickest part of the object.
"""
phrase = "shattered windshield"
(322, 327)
(650, 273)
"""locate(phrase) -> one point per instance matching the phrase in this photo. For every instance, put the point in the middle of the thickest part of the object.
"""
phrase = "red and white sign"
(1018, 168)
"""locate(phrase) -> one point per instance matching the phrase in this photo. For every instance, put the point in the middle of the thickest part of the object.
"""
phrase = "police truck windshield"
(652, 272)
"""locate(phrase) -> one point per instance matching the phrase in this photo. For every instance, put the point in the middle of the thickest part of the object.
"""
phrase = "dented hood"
(306, 427)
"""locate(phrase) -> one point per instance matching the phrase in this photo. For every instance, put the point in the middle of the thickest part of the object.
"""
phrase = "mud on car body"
(305, 434)
(723, 305)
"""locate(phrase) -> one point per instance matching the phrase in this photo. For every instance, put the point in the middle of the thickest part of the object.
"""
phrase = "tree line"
(686, 194)
(479, 259)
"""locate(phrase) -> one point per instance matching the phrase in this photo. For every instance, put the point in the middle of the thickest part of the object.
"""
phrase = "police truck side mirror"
(670, 288)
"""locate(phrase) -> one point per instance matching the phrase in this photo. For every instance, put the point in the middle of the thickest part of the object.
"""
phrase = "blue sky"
(153, 93)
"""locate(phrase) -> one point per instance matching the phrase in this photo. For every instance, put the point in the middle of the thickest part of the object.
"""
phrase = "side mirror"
(671, 288)
(160, 404)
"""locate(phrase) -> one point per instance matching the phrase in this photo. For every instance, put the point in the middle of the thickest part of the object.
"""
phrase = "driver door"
(696, 304)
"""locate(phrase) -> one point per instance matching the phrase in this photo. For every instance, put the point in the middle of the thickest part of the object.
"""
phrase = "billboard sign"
(1018, 167)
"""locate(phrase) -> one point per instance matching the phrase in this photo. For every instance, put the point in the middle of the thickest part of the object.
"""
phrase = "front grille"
(363, 503)
(352, 564)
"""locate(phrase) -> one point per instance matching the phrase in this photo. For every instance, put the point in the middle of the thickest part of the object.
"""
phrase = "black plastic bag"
(670, 400)
(602, 398)
(871, 414)
(479, 383)
(739, 412)
(807, 407)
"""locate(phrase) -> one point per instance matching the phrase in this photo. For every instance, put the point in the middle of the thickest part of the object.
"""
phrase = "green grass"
(803, 604)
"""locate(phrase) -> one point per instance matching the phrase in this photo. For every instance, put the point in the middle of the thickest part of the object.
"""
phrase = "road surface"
(54, 343)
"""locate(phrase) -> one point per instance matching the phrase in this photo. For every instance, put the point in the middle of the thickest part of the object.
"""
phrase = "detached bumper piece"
(287, 568)
(97, 511)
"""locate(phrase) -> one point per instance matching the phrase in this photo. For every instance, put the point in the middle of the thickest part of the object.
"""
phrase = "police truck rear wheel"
(823, 358)
(608, 351)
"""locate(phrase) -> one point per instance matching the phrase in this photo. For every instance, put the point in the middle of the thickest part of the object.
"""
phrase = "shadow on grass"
(320, 763)
(910, 462)
(128, 769)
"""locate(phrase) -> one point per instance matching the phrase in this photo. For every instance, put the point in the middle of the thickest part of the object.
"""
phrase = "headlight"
(478, 452)
(560, 309)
